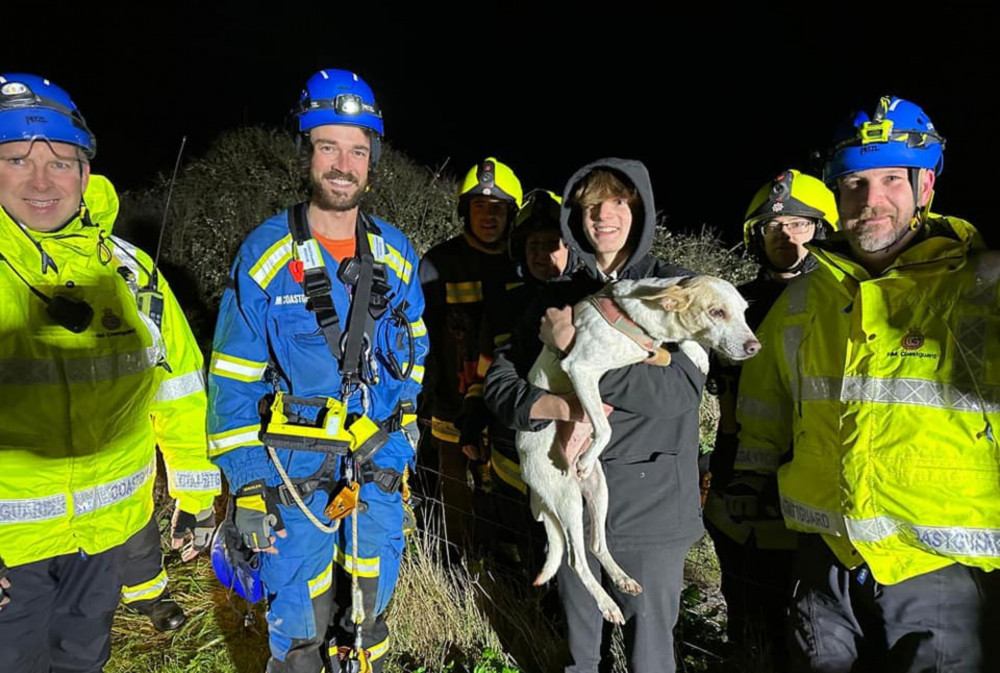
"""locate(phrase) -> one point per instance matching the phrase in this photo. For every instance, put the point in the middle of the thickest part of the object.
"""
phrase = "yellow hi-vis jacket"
(888, 391)
(81, 414)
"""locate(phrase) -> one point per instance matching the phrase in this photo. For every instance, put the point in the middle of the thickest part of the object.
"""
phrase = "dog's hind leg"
(595, 494)
(586, 386)
(571, 514)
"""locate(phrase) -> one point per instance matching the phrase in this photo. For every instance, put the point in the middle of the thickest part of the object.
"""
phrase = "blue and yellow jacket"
(266, 340)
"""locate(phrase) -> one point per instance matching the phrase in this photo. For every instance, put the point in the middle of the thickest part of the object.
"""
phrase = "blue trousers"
(308, 580)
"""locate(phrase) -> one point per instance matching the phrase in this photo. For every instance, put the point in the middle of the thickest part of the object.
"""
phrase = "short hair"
(602, 184)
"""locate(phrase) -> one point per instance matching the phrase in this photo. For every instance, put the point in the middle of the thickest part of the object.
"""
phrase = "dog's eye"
(717, 313)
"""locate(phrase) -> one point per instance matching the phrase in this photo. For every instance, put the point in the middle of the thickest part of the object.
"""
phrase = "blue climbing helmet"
(236, 567)
(340, 97)
(897, 134)
(33, 108)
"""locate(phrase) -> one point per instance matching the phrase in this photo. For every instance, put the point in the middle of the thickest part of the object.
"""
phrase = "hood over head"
(643, 218)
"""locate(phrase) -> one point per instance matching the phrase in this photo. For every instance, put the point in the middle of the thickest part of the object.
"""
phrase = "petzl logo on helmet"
(912, 340)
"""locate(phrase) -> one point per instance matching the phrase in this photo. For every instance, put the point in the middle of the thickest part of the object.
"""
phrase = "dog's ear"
(671, 298)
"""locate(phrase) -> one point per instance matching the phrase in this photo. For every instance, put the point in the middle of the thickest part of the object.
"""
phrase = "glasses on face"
(793, 227)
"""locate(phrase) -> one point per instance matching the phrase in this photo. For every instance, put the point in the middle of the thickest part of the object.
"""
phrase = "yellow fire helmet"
(490, 178)
(791, 193)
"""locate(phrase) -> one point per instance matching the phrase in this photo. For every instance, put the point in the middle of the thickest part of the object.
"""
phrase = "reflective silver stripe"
(947, 540)
(792, 338)
(820, 388)
(797, 293)
(105, 495)
(79, 370)
(916, 392)
(960, 541)
(752, 407)
(33, 509)
(224, 441)
(272, 261)
(872, 530)
(196, 480)
(819, 520)
(180, 386)
(754, 458)
(145, 591)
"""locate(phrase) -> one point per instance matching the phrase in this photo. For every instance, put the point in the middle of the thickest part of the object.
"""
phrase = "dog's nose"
(751, 347)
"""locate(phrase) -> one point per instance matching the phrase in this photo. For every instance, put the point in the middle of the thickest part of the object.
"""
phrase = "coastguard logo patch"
(110, 321)
(912, 340)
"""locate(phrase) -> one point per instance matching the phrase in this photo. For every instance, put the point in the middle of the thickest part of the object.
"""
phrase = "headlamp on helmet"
(490, 178)
(898, 134)
(340, 97)
(33, 108)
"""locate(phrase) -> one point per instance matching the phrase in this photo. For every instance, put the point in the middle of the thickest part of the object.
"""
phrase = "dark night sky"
(713, 102)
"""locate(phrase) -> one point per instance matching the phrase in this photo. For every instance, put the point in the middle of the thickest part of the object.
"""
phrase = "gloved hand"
(257, 517)
(4, 584)
(743, 496)
(193, 532)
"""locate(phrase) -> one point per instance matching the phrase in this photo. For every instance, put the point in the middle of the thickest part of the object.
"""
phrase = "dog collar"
(617, 318)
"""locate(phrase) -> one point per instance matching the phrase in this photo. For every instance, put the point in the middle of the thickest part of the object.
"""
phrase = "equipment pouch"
(367, 438)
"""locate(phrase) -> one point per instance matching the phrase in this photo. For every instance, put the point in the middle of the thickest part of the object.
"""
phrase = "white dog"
(624, 324)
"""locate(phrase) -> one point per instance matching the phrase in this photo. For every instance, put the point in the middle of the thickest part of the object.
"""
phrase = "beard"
(325, 198)
(877, 238)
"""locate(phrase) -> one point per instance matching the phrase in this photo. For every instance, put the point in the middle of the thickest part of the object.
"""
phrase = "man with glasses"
(875, 400)
(92, 379)
(742, 515)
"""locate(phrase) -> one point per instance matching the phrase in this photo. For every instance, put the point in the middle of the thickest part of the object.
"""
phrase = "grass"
(444, 618)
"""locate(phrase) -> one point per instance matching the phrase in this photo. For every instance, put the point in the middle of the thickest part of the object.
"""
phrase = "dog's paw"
(613, 613)
(627, 585)
(585, 465)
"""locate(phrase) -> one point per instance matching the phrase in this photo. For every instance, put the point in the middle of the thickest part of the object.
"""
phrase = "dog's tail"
(556, 546)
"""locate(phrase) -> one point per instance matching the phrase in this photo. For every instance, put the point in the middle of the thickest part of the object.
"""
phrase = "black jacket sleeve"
(506, 390)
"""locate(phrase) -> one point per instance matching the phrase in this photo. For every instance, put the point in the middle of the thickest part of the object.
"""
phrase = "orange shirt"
(340, 248)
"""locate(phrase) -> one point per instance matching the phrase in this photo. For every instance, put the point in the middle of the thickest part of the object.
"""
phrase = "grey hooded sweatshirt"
(651, 462)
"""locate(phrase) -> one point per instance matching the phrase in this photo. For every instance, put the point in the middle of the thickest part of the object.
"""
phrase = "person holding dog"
(878, 372)
(607, 219)
(753, 545)
(98, 367)
(464, 278)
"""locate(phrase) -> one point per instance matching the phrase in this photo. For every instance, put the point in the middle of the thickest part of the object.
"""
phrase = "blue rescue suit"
(267, 340)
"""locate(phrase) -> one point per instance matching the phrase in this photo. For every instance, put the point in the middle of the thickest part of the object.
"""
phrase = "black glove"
(4, 584)
(198, 526)
(257, 516)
